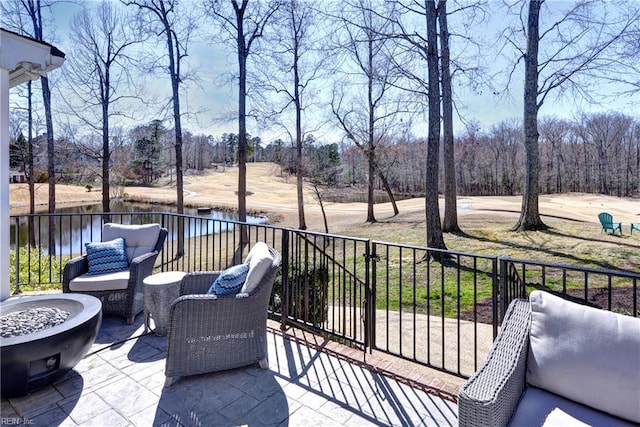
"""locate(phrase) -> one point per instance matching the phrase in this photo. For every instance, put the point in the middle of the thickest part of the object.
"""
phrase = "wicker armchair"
(210, 333)
(121, 292)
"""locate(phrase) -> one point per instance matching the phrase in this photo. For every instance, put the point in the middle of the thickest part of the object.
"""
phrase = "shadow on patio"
(311, 381)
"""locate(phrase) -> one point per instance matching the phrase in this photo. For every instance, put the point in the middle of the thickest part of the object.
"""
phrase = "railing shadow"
(533, 248)
(355, 387)
(248, 396)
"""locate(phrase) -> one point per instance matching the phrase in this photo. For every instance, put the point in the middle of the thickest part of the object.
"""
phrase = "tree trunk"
(32, 183)
(387, 188)
(530, 216)
(603, 170)
(371, 155)
(432, 209)
(450, 222)
(242, 121)
(51, 170)
(242, 134)
(370, 185)
(302, 224)
(106, 152)
(174, 71)
(179, 174)
(35, 14)
(324, 214)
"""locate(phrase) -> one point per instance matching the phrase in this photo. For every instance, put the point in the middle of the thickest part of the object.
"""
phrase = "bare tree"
(412, 23)
(432, 209)
(245, 26)
(554, 134)
(579, 49)
(293, 68)
(97, 71)
(176, 24)
(367, 122)
(605, 133)
(424, 42)
(450, 220)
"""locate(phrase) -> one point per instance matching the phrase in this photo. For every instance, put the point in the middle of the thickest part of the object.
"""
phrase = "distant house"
(17, 177)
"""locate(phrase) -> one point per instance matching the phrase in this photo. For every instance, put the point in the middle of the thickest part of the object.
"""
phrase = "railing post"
(16, 232)
(370, 295)
(503, 293)
(498, 277)
(284, 270)
(511, 285)
(164, 255)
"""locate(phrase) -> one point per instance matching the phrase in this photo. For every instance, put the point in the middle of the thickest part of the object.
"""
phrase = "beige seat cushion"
(100, 282)
(540, 408)
(138, 239)
(588, 355)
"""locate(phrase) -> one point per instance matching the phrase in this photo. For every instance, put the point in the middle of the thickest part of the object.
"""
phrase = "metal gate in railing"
(433, 307)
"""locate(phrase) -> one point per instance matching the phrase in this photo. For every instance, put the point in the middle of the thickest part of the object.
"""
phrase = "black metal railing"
(438, 308)
(610, 290)
(437, 313)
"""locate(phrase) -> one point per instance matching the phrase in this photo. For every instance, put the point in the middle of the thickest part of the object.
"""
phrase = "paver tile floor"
(121, 383)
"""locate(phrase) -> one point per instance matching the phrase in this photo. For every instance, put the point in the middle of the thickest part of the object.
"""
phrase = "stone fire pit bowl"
(36, 359)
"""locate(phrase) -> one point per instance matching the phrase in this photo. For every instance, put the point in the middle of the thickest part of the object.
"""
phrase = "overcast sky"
(215, 94)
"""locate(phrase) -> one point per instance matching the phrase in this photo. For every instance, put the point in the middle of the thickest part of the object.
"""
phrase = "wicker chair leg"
(264, 363)
(168, 381)
(131, 320)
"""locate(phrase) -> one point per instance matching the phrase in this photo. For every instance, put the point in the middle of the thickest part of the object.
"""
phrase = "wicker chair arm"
(142, 266)
(198, 282)
(73, 268)
(491, 395)
(140, 259)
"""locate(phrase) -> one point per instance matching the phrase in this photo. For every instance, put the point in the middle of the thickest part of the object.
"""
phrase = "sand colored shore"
(274, 193)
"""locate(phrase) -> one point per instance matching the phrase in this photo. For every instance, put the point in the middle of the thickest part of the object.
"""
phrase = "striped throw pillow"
(230, 281)
(107, 257)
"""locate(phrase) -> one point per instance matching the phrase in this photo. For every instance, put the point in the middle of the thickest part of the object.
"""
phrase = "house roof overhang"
(27, 58)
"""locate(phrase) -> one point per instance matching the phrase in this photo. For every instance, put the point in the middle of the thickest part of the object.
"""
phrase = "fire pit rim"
(88, 307)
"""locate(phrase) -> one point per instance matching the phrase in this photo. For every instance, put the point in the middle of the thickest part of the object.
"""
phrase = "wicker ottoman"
(160, 290)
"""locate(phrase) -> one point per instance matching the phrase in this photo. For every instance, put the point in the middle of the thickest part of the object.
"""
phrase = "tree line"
(595, 153)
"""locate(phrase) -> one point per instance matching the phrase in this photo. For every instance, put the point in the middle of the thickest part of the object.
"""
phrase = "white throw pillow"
(588, 355)
(259, 259)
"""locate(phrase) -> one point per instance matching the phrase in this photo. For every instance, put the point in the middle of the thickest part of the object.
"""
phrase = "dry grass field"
(574, 237)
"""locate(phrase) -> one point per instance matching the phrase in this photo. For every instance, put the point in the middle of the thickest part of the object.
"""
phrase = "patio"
(311, 381)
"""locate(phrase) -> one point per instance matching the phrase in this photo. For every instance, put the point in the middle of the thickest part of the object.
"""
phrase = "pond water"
(81, 224)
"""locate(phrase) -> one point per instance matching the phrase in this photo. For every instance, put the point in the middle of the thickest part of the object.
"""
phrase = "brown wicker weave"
(491, 395)
(210, 333)
(123, 302)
